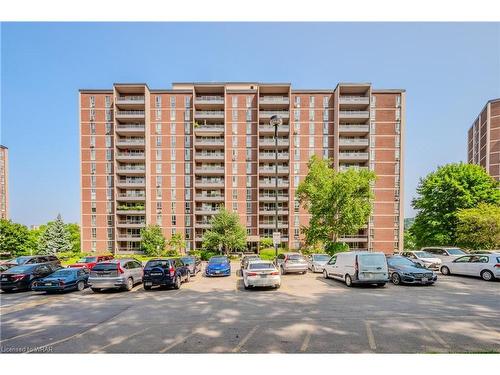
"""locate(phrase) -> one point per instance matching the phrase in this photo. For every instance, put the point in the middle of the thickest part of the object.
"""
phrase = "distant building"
(4, 182)
(484, 139)
(172, 157)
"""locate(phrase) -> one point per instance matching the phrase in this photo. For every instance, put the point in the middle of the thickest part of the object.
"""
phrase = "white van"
(358, 267)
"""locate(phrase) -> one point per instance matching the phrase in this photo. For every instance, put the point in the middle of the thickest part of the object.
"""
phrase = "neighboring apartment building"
(483, 139)
(172, 157)
(4, 182)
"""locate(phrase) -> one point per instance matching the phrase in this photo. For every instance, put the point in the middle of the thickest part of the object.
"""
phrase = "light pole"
(276, 121)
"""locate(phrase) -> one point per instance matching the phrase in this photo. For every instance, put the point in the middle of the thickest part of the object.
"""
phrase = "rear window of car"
(321, 257)
(218, 260)
(456, 252)
(105, 267)
(372, 259)
(63, 272)
(158, 263)
(87, 260)
(260, 266)
(188, 260)
(295, 257)
(22, 269)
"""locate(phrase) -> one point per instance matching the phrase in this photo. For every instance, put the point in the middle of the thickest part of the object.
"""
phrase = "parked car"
(116, 274)
(63, 279)
(218, 266)
(358, 267)
(31, 259)
(169, 272)
(261, 273)
(316, 262)
(424, 258)
(486, 266)
(193, 263)
(444, 253)
(22, 277)
(90, 261)
(403, 270)
(247, 258)
(291, 262)
(482, 251)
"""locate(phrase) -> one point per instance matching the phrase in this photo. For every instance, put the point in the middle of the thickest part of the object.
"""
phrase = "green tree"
(55, 238)
(409, 242)
(265, 242)
(15, 238)
(152, 240)
(442, 194)
(176, 243)
(74, 236)
(226, 233)
(339, 203)
(479, 228)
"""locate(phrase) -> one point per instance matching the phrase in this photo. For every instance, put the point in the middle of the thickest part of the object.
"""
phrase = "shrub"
(206, 255)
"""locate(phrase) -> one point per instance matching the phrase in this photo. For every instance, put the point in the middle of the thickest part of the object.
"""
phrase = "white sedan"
(486, 266)
(261, 273)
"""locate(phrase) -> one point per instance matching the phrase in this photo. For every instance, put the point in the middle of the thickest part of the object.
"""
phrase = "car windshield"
(321, 257)
(105, 267)
(62, 273)
(158, 263)
(400, 261)
(19, 260)
(218, 260)
(261, 266)
(87, 260)
(295, 257)
(423, 254)
(456, 252)
(21, 269)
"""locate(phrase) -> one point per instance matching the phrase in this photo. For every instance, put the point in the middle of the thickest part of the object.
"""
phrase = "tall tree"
(74, 236)
(176, 243)
(479, 228)
(339, 203)
(55, 238)
(15, 239)
(226, 233)
(152, 240)
(441, 194)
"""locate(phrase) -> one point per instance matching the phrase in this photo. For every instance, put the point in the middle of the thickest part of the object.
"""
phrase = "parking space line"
(23, 335)
(238, 347)
(121, 340)
(305, 344)
(177, 342)
(434, 335)
(371, 337)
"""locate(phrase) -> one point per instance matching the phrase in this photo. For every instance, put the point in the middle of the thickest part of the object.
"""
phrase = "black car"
(22, 277)
(246, 258)
(193, 263)
(31, 259)
(169, 272)
(403, 270)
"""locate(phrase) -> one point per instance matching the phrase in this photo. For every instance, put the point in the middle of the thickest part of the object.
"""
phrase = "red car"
(90, 261)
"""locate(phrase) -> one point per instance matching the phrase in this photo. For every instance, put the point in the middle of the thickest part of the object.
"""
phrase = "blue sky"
(449, 71)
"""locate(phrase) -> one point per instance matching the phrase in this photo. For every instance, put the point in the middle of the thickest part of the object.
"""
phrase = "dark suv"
(169, 272)
(21, 277)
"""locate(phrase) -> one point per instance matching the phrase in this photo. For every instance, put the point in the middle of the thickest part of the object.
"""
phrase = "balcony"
(354, 100)
(270, 101)
(267, 114)
(271, 183)
(130, 142)
(271, 170)
(268, 129)
(270, 142)
(129, 100)
(272, 156)
(209, 156)
(131, 183)
(353, 142)
(126, 197)
(129, 156)
(354, 115)
(354, 238)
(134, 169)
(272, 212)
(272, 224)
(209, 183)
(128, 237)
(203, 224)
(129, 212)
(354, 129)
(209, 99)
(345, 167)
(209, 198)
(209, 114)
(205, 211)
(129, 115)
(209, 129)
(209, 142)
(129, 129)
(272, 198)
(130, 224)
(364, 156)
(209, 170)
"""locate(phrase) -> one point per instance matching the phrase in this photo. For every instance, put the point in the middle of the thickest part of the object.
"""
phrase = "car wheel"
(147, 287)
(445, 270)
(396, 279)
(487, 275)
(325, 274)
(277, 286)
(283, 272)
(130, 284)
(348, 280)
(96, 290)
(80, 286)
(245, 284)
(177, 284)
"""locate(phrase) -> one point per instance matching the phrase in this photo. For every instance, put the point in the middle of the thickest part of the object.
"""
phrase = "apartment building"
(4, 179)
(483, 139)
(173, 157)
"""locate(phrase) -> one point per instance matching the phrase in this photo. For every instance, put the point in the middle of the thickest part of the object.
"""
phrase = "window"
(173, 154)
(93, 194)
(249, 181)
(249, 101)
(249, 114)
(94, 232)
(92, 128)
(173, 141)
(110, 233)
(172, 114)
(297, 101)
(174, 220)
(187, 181)
(296, 114)
(311, 128)
(159, 181)
(158, 219)
(187, 194)
(158, 168)
(248, 154)
(158, 128)
(109, 154)
(235, 115)
(92, 141)
(249, 141)
(107, 101)
(235, 206)
(158, 114)
(158, 101)
(187, 207)
(158, 141)
(108, 114)
(92, 101)
(311, 101)
(295, 181)
(109, 207)
(235, 194)
(249, 195)
(187, 128)
(311, 141)
(325, 141)
(296, 168)
(92, 168)
(325, 101)
(187, 154)
(249, 168)
(234, 101)
(187, 168)
(158, 154)
(235, 181)
(92, 115)
(249, 209)
(398, 101)
(325, 115)
(296, 141)
(173, 168)
(93, 207)
(158, 207)
(235, 168)
(296, 154)
(108, 128)
(235, 141)
(159, 193)
(172, 181)
(249, 128)
(373, 101)
(187, 115)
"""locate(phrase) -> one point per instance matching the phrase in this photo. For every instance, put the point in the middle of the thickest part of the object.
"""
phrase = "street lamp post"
(276, 121)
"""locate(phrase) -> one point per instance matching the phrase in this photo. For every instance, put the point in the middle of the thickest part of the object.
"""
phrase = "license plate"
(155, 274)
(4, 277)
(263, 276)
(425, 279)
(217, 271)
(148, 283)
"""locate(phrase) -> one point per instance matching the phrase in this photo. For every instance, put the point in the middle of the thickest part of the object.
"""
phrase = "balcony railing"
(210, 99)
(272, 142)
(209, 156)
(207, 169)
(130, 141)
(209, 114)
(284, 114)
(133, 168)
(274, 99)
(354, 114)
(272, 169)
(353, 141)
(130, 126)
(272, 155)
(209, 128)
(131, 155)
(129, 114)
(130, 98)
(354, 128)
(349, 99)
(209, 141)
(209, 197)
(270, 129)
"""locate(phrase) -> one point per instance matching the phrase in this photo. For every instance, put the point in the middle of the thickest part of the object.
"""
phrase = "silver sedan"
(316, 262)
(261, 273)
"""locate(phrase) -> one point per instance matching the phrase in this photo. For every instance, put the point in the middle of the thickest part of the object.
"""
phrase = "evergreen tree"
(55, 239)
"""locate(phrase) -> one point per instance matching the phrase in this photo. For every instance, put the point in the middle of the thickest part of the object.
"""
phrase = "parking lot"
(308, 314)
